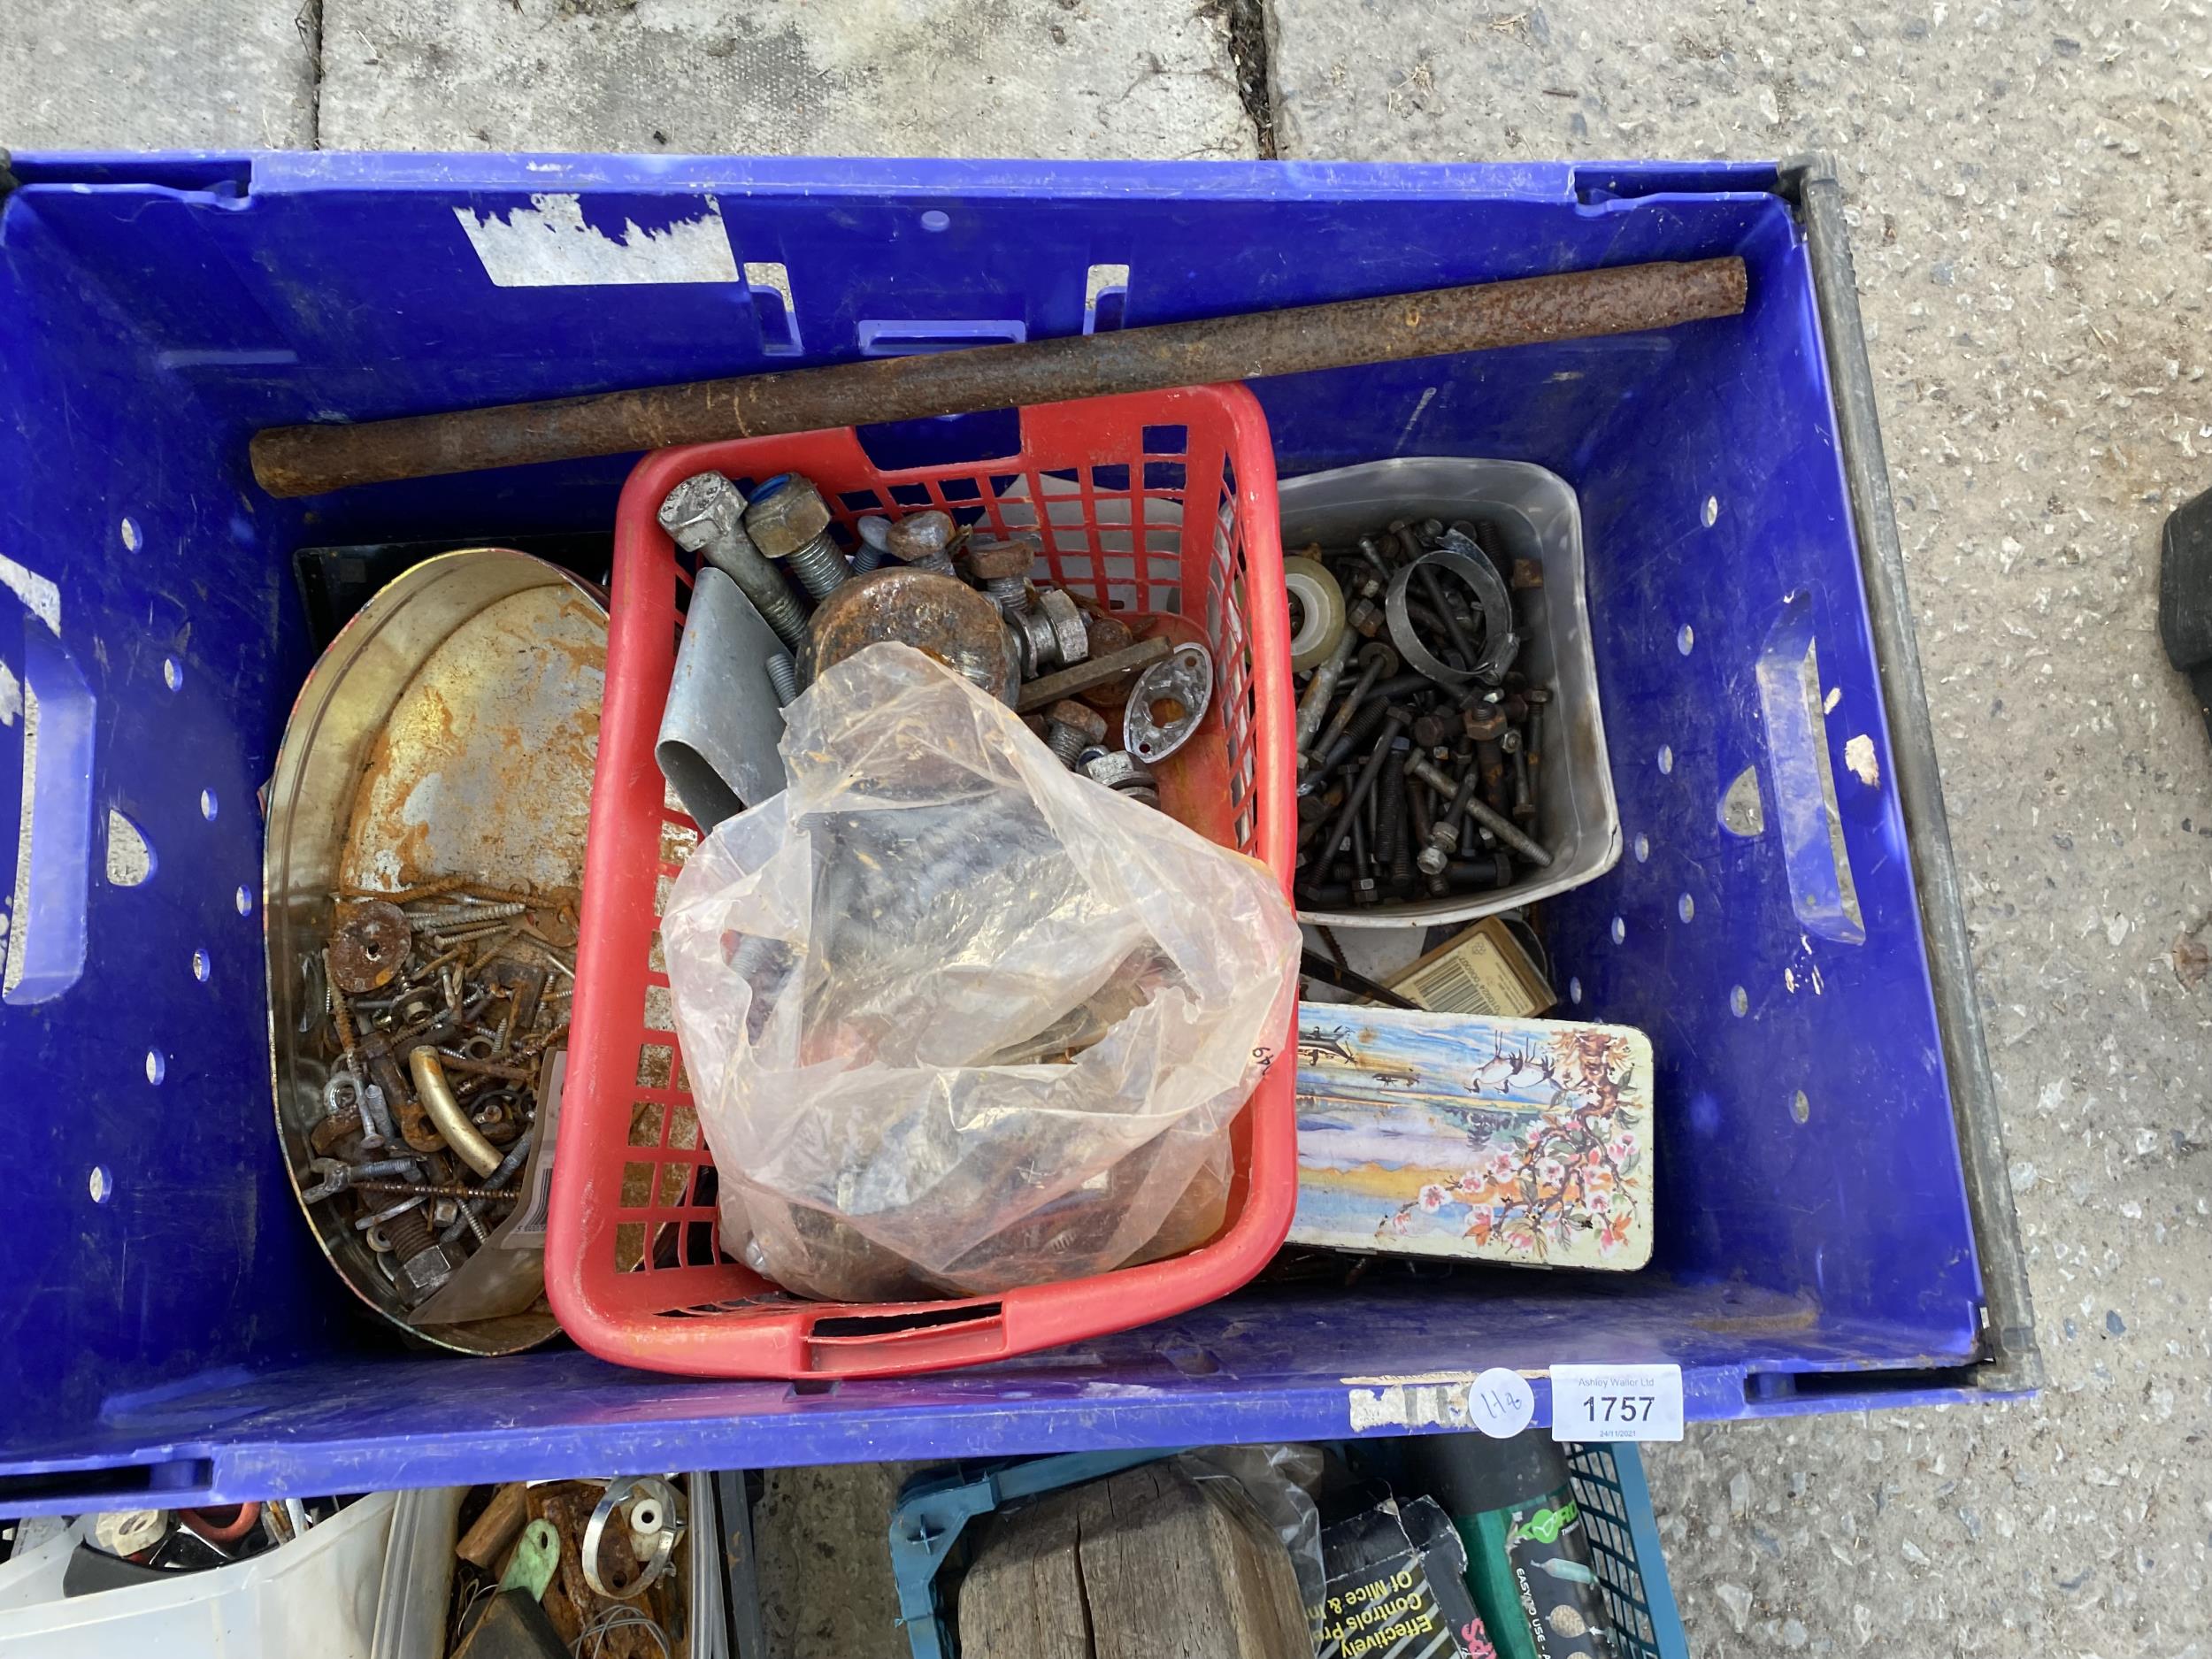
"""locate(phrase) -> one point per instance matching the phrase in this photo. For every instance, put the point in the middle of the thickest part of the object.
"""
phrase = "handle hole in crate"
(941, 440)
(873, 1324)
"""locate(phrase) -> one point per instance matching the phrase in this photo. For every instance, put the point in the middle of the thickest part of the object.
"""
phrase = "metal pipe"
(446, 1116)
(1387, 328)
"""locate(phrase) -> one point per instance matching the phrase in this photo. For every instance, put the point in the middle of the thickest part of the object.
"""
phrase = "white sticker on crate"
(1617, 1403)
(548, 245)
(1441, 1400)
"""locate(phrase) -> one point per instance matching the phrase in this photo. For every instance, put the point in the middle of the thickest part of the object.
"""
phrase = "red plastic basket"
(633, 1265)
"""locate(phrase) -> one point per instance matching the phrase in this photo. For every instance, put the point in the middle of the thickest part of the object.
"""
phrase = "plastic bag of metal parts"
(956, 1018)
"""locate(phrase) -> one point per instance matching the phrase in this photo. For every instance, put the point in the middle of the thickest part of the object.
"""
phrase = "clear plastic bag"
(956, 1018)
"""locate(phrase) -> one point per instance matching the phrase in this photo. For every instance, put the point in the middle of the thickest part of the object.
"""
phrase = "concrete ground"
(2031, 231)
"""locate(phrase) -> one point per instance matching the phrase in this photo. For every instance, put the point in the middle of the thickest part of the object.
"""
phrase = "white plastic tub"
(1534, 513)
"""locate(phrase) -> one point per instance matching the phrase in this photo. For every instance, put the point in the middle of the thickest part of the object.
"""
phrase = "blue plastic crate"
(935, 1510)
(1631, 1567)
(170, 1325)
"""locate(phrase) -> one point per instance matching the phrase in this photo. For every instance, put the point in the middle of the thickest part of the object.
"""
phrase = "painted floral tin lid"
(1492, 1139)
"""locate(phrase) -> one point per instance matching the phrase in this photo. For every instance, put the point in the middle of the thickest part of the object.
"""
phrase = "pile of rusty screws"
(439, 1002)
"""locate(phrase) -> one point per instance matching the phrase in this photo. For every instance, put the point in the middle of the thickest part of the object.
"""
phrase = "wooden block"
(1024, 1595)
(503, 1518)
(1145, 1563)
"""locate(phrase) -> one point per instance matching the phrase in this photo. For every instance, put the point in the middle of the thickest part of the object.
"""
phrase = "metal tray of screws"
(445, 737)
(1533, 511)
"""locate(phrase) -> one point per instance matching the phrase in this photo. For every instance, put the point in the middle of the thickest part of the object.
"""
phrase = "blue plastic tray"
(936, 1509)
(169, 1326)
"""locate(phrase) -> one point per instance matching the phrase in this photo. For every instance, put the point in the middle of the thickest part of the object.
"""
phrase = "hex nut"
(1485, 723)
(786, 516)
(706, 506)
(1069, 638)
(1120, 772)
(425, 1271)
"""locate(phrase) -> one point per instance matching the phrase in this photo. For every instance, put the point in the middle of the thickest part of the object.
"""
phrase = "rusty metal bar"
(1626, 299)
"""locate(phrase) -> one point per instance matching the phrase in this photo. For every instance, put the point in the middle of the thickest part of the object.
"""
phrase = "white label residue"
(1446, 1400)
(548, 245)
(39, 595)
(1858, 755)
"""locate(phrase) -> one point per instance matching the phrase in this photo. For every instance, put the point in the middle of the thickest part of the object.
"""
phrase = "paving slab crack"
(1245, 21)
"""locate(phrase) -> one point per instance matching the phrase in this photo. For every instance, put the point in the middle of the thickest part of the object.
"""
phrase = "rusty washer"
(368, 946)
(940, 616)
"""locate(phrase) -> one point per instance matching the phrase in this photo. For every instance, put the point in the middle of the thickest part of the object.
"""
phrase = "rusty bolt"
(1365, 617)
(789, 521)
(1002, 569)
(921, 541)
(1072, 727)
(705, 514)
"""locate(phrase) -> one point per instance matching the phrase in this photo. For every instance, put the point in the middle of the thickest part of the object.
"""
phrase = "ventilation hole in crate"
(201, 966)
(1574, 992)
(1619, 931)
(915, 496)
(101, 1184)
(814, 1388)
(209, 805)
(683, 1129)
(1666, 758)
(629, 1247)
(1643, 850)
(960, 489)
(655, 1067)
(1801, 1108)
(171, 672)
(1738, 1002)
(1686, 641)
(637, 1186)
(660, 1008)
(1111, 479)
(243, 900)
(1167, 439)
(1712, 510)
(860, 501)
(647, 1118)
(675, 1182)
(935, 220)
(1685, 907)
(130, 860)
(157, 1066)
(133, 538)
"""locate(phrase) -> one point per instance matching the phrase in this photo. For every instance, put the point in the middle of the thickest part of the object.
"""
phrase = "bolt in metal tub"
(1835, 1229)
